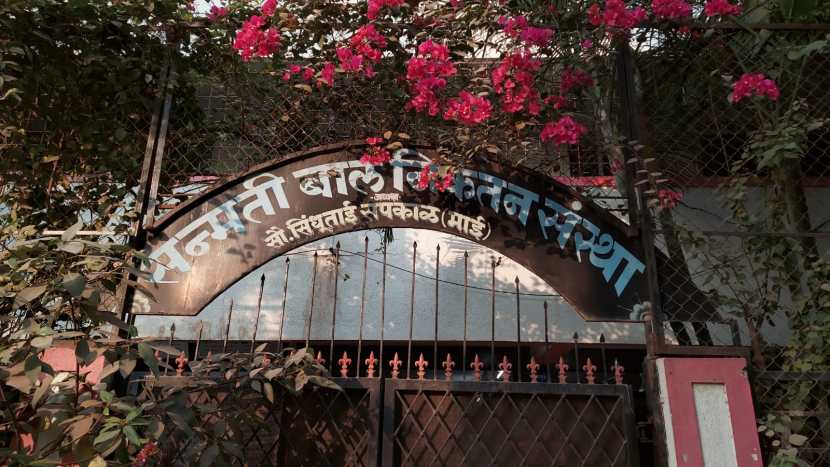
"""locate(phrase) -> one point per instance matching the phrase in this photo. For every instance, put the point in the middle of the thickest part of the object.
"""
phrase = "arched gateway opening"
(451, 318)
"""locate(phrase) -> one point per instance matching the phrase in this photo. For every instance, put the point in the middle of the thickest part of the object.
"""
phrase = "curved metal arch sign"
(210, 242)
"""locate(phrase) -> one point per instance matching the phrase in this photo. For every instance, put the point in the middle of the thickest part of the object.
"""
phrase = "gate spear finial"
(395, 363)
(421, 364)
(448, 365)
(476, 366)
(534, 370)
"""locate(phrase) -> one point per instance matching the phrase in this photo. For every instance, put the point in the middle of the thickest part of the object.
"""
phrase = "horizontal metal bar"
(512, 387)
(740, 233)
(81, 233)
(703, 351)
(793, 376)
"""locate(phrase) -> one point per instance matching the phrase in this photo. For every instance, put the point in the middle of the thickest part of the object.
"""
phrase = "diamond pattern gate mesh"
(436, 423)
(316, 428)
(420, 422)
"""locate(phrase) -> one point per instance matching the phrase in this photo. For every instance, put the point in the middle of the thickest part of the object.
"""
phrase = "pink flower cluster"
(468, 109)
(564, 131)
(720, 8)
(148, 451)
(327, 74)
(671, 9)
(429, 174)
(427, 73)
(365, 48)
(374, 154)
(573, 78)
(513, 80)
(519, 27)
(616, 16)
(254, 40)
(216, 13)
(376, 5)
(754, 84)
(306, 72)
(269, 7)
(557, 101)
(669, 198)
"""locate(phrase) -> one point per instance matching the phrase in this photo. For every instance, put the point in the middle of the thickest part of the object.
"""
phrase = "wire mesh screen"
(739, 189)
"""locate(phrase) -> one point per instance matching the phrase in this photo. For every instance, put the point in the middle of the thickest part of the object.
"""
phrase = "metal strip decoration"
(208, 243)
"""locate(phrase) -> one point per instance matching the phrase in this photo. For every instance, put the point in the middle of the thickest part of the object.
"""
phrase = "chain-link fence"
(739, 191)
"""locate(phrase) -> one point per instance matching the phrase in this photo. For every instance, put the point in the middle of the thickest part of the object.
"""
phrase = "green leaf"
(42, 342)
(70, 233)
(98, 462)
(132, 435)
(146, 354)
(324, 382)
(797, 440)
(155, 429)
(74, 283)
(209, 456)
(28, 294)
(73, 248)
(21, 382)
(84, 355)
(107, 317)
(269, 391)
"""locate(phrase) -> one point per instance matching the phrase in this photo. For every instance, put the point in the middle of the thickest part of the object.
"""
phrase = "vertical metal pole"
(311, 310)
(334, 306)
(604, 362)
(198, 340)
(493, 316)
(170, 342)
(411, 311)
(284, 300)
(362, 304)
(382, 309)
(631, 129)
(435, 335)
(227, 328)
(547, 343)
(258, 311)
(464, 345)
(518, 333)
(576, 357)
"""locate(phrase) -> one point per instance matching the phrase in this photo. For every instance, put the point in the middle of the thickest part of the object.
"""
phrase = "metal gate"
(455, 423)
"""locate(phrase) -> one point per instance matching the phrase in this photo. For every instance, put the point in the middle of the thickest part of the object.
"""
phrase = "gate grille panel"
(436, 423)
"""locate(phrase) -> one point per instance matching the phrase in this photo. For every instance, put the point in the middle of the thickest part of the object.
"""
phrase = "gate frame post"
(631, 126)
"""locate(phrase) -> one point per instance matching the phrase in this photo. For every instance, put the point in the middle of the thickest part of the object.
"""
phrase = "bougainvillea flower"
(671, 9)
(564, 131)
(720, 8)
(468, 109)
(616, 16)
(754, 84)
(327, 74)
(514, 79)
(375, 155)
(253, 40)
(519, 27)
(572, 78)
(375, 6)
(669, 198)
(426, 73)
(269, 7)
(216, 13)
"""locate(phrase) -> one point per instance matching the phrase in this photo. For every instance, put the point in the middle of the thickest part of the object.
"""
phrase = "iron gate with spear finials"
(417, 401)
